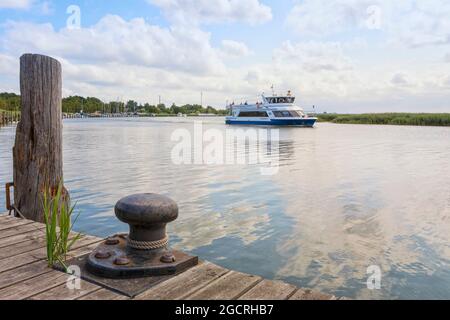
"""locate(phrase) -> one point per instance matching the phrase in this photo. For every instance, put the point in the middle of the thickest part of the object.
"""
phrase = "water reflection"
(345, 197)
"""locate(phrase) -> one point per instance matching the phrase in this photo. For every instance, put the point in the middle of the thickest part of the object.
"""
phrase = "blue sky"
(92, 11)
(340, 55)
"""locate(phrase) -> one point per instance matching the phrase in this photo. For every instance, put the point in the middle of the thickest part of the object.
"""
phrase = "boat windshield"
(275, 100)
(290, 100)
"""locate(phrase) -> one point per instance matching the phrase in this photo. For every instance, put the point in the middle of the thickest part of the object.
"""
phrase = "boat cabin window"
(259, 114)
(287, 114)
(295, 113)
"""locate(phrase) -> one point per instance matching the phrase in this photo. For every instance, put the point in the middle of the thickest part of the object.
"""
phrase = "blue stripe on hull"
(275, 122)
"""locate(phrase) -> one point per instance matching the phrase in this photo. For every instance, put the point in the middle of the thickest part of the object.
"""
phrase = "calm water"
(345, 197)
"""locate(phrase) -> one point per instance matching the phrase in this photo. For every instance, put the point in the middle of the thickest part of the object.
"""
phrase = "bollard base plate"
(114, 259)
(128, 287)
(116, 267)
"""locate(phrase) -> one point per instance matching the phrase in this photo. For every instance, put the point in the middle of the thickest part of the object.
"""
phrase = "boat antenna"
(273, 91)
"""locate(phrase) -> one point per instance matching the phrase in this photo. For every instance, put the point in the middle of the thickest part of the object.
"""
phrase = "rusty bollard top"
(147, 215)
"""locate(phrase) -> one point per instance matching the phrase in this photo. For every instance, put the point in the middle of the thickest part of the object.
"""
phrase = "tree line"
(78, 104)
(9, 101)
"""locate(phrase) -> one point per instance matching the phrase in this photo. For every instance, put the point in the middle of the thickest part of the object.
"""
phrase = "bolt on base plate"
(114, 259)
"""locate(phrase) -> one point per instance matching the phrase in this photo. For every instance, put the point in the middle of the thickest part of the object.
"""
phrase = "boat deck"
(24, 274)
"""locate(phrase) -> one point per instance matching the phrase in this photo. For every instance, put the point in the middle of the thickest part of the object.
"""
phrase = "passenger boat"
(273, 110)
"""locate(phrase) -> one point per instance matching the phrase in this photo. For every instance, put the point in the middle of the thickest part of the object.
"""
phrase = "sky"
(346, 56)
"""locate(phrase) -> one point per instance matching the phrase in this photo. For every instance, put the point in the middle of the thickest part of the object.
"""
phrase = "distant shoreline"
(398, 119)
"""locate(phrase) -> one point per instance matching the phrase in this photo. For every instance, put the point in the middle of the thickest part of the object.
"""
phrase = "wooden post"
(37, 151)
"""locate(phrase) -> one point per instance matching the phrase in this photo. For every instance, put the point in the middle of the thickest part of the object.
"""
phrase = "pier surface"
(24, 274)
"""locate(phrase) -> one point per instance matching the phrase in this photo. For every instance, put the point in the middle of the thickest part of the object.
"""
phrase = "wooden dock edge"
(24, 274)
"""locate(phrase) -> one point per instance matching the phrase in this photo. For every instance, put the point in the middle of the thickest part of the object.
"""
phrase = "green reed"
(58, 225)
(411, 119)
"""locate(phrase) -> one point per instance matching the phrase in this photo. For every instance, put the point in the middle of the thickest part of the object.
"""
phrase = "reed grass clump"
(409, 119)
(58, 214)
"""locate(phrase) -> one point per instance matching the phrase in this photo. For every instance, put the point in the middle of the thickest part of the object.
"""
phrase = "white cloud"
(8, 65)
(253, 76)
(421, 23)
(400, 80)
(313, 56)
(46, 8)
(447, 58)
(113, 39)
(313, 70)
(131, 59)
(323, 17)
(411, 22)
(214, 11)
(16, 4)
(447, 82)
(234, 49)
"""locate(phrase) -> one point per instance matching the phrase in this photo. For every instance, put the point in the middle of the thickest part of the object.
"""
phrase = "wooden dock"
(24, 274)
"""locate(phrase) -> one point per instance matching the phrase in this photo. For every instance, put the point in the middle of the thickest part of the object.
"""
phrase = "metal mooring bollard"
(145, 250)
(147, 215)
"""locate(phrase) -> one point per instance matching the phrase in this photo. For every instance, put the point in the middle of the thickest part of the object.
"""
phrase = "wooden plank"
(19, 230)
(22, 247)
(103, 294)
(34, 269)
(47, 281)
(6, 215)
(25, 272)
(5, 242)
(22, 259)
(39, 254)
(36, 240)
(11, 216)
(185, 283)
(269, 290)
(62, 292)
(307, 294)
(228, 287)
(27, 288)
(7, 223)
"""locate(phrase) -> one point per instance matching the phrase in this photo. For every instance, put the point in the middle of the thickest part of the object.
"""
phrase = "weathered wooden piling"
(38, 146)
